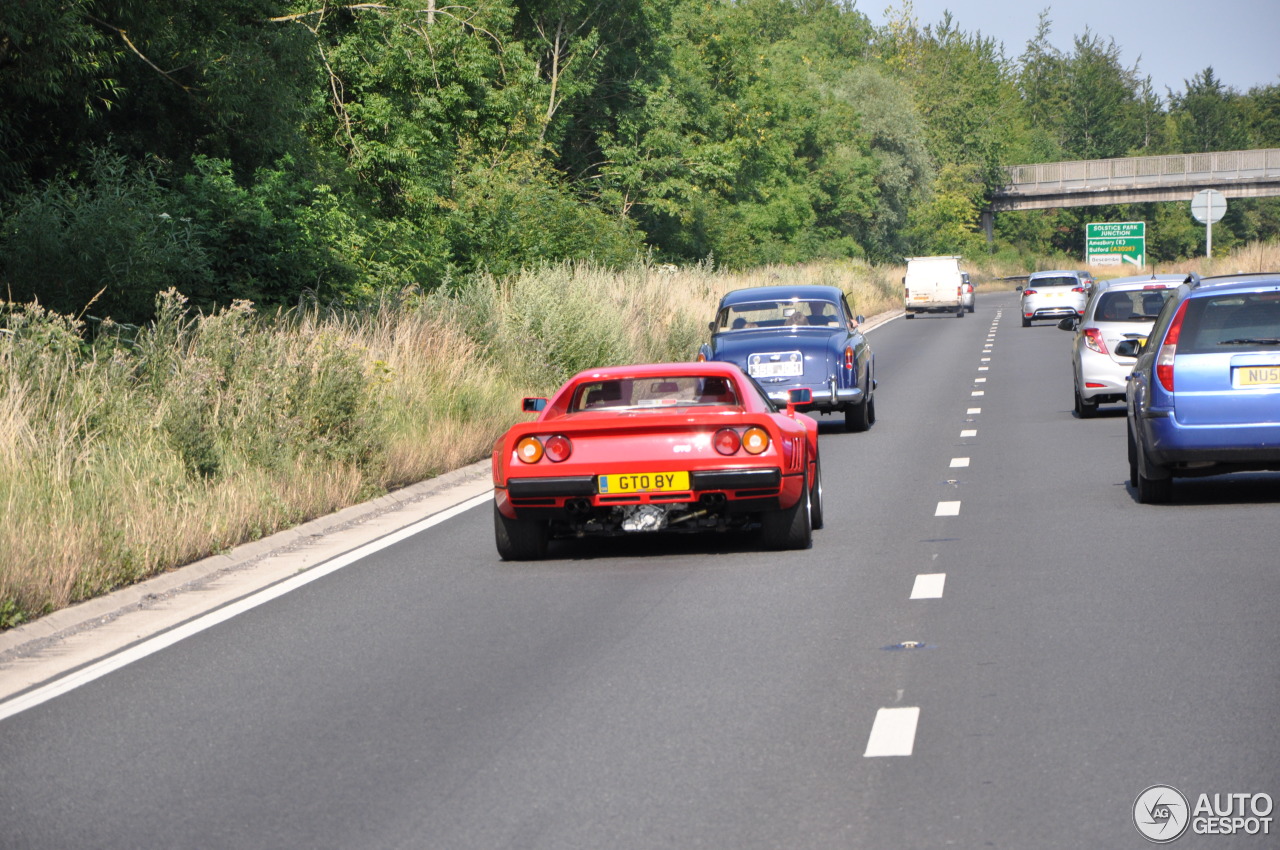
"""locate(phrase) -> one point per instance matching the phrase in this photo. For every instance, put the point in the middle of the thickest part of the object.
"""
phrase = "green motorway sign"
(1115, 243)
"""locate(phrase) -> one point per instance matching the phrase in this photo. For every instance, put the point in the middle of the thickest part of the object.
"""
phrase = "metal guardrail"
(1143, 171)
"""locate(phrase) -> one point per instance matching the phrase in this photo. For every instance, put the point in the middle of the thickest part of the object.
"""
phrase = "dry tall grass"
(138, 453)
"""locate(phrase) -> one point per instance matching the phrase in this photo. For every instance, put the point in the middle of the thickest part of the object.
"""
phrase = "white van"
(933, 285)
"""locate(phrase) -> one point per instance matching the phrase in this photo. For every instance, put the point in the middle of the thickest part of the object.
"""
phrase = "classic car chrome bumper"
(823, 397)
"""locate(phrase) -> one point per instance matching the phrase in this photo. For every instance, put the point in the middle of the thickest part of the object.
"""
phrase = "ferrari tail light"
(755, 440)
(727, 441)
(1169, 349)
(558, 448)
(1093, 339)
(529, 450)
(848, 358)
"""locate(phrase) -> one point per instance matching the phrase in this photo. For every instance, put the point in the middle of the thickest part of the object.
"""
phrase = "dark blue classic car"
(799, 336)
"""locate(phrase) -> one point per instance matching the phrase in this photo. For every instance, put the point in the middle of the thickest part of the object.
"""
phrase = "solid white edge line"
(928, 586)
(893, 733)
(98, 669)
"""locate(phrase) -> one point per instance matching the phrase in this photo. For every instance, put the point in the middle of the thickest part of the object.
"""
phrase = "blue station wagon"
(792, 337)
(1204, 395)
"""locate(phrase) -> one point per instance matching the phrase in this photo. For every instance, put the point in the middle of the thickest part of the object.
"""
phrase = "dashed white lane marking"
(947, 509)
(978, 392)
(893, 733)
(959, 462)
(969, 432)
(979, 380)
(986, 360)
(928, 586)
(974, 410)
(984, 368)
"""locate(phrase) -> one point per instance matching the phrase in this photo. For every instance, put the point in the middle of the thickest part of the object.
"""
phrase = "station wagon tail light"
(1030, 292)
(848, 357)
(755, 440)
(1093, 339)
(1169, 349)
(558, 448)
(727, 441)
(1078, 289)
(529, 450)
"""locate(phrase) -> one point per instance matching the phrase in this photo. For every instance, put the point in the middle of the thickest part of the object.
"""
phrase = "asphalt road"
(1069, 648)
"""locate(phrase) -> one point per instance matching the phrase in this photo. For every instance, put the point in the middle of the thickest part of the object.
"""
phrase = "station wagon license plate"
(1256, 376)
(643, 482)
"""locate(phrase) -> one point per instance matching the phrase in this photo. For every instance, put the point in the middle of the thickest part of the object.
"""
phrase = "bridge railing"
(1145, 171)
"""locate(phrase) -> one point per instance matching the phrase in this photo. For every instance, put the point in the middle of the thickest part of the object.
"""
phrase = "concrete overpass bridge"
(1136, 179)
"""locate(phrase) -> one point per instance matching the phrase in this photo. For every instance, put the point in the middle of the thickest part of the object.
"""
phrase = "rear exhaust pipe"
(578, 507)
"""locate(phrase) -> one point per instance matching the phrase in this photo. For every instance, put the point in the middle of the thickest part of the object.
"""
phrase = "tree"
(1208, 116)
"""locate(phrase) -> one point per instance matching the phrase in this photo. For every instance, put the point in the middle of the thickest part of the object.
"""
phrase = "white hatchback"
(1054, 295)
(1119, 309)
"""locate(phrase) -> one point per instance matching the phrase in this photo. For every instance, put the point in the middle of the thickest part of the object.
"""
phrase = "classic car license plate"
(775, 369)
(644, 482)
(1256, 376)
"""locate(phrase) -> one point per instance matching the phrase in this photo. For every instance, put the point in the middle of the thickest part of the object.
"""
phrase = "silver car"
(1119, 309)
(1054, 295)
(966, 292)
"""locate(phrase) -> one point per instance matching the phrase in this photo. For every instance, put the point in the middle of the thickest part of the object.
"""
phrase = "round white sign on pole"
(1208, 206)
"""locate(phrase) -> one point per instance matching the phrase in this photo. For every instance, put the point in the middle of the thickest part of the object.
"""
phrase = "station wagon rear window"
(1230, 323)
(1066, 280)
(1134, 306)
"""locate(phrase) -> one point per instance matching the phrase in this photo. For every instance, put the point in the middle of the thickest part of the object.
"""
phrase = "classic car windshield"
(778, 314)
(681, 390)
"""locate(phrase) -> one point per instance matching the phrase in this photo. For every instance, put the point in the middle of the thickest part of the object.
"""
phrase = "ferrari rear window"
(1230, 323)
(640, 393)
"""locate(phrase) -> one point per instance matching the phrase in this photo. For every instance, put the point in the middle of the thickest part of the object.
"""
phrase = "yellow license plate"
(1257, 376)
(644, 482)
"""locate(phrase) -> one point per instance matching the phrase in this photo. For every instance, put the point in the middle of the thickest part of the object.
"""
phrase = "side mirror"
(798, 396)
(859, 318)
(711, 326)
(1128, 348)
(1018, 288)
(534, 405)
(1067, 324)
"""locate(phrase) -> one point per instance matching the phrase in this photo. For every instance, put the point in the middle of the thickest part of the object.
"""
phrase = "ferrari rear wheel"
(790, 528)
(815, 496)
(519, 539)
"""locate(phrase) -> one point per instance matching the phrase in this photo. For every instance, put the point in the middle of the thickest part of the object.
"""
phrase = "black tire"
(971, 307)
(911, 315)
(519, 539)
(815, 496)
(790, 528)
(1085, 408)
(960, 313)
(1153, 491)
(1133, 458)
(858, 417)
(1026, 323)
(871, 410)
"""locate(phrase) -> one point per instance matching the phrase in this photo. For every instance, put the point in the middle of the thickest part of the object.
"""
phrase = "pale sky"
(1171, 41)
